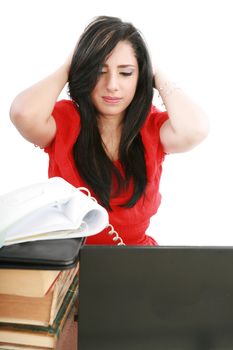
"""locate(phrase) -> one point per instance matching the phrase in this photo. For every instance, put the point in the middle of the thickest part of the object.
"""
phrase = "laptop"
(155, 298)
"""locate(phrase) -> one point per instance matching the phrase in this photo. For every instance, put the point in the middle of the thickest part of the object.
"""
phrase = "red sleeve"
(153, 148)
(151, 131)
(67, 127)
(158, 116)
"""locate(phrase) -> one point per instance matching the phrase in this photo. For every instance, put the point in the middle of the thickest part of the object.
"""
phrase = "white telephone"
(51, 207)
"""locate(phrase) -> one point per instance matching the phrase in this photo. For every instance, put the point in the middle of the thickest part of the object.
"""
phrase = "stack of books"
(34, 306)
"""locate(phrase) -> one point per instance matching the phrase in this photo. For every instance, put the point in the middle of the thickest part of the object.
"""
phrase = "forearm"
(38, 100)
(187, 119)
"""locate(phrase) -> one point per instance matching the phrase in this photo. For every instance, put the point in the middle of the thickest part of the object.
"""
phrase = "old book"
(47, 337)
(37, 310)
(28, 283)
(67, 339)
(51, 210)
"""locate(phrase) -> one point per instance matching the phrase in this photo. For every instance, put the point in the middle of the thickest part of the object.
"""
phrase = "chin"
(112, 111)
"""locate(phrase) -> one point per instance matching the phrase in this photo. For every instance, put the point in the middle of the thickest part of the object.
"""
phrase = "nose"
(112, 83)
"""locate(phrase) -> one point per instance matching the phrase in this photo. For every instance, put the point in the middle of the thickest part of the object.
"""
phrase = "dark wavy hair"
(94, 46)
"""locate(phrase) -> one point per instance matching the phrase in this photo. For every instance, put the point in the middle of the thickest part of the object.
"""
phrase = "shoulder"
(150, 133)
(65, 108)
(154, 121)
(67, 119)
(67, 116)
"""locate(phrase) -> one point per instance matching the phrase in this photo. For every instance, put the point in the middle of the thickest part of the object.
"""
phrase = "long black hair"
(95, 44)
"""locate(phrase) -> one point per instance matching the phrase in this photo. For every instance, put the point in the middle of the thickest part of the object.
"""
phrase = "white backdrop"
(191, 40)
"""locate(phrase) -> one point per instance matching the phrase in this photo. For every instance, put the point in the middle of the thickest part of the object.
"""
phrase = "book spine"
(63, 283)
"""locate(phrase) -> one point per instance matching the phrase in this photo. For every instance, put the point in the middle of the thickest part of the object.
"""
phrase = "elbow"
(15, 112)
(202, 130)
(18, 114)
(199, 128)
(198, 134)
(15, 116)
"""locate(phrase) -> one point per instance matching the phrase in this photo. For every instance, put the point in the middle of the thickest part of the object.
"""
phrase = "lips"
(111, 100)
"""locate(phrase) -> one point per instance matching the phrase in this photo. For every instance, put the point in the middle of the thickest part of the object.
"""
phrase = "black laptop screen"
(156, 298)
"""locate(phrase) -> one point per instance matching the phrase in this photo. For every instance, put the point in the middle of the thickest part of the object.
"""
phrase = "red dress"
(130, 223)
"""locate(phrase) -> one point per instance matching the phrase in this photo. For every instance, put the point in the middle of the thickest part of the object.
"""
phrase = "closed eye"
(126, 74)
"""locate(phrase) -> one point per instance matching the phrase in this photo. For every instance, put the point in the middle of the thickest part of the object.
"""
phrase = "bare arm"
(187, 125)
(31, 110)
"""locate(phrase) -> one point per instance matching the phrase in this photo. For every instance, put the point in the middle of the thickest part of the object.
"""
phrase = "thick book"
(40, 336)
(37, 310)
(27, 283)
(53, 209)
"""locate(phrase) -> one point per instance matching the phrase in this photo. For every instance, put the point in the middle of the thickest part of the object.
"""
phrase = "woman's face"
(117, 82)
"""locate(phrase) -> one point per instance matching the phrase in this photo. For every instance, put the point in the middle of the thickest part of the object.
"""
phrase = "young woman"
(109, 137)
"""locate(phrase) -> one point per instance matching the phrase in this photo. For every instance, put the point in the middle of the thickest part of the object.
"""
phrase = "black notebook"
(53, 254)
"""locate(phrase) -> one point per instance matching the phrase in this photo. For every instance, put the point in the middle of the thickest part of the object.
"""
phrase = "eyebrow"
(122, 65)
